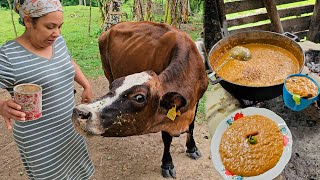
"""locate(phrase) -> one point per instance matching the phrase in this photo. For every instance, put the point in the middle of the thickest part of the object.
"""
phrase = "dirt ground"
(139, 157)
(129, 158)
(305, 128)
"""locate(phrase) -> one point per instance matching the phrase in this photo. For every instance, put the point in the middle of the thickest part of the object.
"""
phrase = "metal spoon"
(237, 53)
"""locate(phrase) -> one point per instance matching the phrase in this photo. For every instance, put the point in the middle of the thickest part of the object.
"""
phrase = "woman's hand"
(10, 110)
(87, 95)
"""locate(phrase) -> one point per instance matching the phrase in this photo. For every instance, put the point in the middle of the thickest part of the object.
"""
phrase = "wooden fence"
(303, 20)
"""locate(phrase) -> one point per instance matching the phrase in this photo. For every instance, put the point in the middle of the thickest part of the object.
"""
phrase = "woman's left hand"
(87, 95)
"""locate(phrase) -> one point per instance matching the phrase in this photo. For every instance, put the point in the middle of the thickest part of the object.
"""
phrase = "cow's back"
(132, 47)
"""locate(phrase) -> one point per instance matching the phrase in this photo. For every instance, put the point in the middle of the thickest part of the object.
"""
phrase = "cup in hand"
(29, 97)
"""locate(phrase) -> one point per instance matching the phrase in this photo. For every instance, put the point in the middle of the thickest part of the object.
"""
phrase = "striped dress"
(49, 147)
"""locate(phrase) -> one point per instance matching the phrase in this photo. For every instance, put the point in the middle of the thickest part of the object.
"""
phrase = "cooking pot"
(258, 93)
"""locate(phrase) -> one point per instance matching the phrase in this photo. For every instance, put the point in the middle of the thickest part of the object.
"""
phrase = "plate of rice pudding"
(251, 143)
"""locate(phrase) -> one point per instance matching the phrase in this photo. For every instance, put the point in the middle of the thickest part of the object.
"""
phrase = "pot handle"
(210, 74)
(292, 36)
(214, 82)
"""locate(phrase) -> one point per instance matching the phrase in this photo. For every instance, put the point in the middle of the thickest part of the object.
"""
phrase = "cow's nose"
(82, 114)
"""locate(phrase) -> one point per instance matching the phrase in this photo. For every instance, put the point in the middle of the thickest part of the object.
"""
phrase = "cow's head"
(136, 104)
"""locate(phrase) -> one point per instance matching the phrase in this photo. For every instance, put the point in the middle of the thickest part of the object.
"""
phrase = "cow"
(156, 77)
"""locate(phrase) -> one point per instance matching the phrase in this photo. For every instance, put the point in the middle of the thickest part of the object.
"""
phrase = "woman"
(49, 147)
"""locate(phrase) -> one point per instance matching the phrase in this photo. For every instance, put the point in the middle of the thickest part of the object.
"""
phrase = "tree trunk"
(148, 16)
(314, 29)
(11, 12)
(137, 10)
(89, 27)
(173, 12)
(185, 11)
(167, 17)
(211, 22)
(80, 2)
(105, 13)
(273, 15)
(100, 6)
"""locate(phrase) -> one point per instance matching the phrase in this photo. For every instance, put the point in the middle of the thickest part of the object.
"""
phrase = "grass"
(201, 112)
(82, 46)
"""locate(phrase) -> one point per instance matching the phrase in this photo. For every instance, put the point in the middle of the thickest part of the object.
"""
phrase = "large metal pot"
(260, 93)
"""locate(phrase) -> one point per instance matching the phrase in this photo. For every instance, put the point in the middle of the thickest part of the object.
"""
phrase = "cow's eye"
(139, 98)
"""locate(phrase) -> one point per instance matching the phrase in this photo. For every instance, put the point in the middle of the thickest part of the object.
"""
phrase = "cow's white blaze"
(129, 81)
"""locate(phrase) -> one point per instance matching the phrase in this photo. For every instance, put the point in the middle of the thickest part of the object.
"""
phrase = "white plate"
(271, 173)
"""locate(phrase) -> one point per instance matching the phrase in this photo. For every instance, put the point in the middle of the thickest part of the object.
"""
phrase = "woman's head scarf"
(36, 8)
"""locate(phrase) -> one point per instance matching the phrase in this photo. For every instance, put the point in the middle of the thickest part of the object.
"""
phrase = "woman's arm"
(81, 79)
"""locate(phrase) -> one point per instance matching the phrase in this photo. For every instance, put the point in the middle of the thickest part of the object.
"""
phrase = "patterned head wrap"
(36, 8)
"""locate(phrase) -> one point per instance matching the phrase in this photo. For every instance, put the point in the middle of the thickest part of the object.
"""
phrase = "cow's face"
(133, 106)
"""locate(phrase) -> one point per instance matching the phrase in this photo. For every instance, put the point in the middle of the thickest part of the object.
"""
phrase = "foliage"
(83, 48)
(4, 4)
(196, 5)
(76, 2)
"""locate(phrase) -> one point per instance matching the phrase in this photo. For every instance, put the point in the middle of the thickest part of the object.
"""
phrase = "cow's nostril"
(83, 115)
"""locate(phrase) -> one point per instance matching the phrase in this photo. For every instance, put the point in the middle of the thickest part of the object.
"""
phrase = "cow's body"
(152, 68)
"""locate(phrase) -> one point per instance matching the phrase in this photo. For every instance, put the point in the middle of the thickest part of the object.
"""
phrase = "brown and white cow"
(153, 68)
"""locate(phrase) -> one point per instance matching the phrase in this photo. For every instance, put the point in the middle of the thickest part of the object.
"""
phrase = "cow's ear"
(172, 99)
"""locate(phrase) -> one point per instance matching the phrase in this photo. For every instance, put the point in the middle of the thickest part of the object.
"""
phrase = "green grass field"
(82, 46)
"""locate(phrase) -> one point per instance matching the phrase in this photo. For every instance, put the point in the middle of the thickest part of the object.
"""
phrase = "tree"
(11, 12)
(89, 27)
(148, 10)
(137, 10)
(103, 8)
(186, 11)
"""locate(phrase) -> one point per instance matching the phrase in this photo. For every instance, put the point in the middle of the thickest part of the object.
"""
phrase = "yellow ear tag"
(172, 113)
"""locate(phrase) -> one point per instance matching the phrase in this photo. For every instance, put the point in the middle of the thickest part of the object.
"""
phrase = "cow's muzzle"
(81, 114)
(85, 122)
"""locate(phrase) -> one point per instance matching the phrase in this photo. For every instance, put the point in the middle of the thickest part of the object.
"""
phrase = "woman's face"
(45, 30)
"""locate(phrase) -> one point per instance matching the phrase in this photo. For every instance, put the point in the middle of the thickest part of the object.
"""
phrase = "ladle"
(236, 53)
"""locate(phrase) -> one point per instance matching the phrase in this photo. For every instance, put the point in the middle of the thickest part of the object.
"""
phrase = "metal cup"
(29, 97)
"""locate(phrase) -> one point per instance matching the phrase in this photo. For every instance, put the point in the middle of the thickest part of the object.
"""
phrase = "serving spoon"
(237, 53)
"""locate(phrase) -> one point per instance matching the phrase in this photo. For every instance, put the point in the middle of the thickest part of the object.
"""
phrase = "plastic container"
(294, 101)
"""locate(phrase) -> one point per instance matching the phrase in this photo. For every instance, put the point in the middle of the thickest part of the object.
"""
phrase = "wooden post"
(273, 15)
(223, 19)
(211, 22)
(314, 28)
